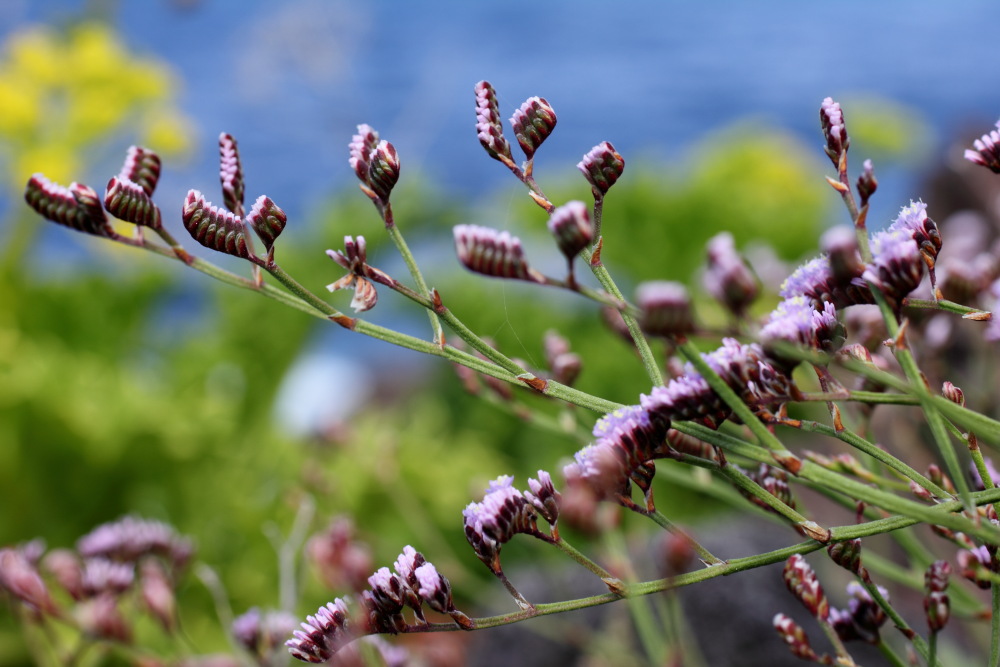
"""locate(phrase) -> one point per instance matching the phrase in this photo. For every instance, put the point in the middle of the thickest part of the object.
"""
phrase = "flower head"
(602, 167)
(532, 124)
(130, 538)
(322, 635)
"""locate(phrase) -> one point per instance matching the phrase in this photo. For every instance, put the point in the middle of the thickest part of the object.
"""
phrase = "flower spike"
(215, 228)
(77, 206)
(231, 174)
(493, 253)
(488, 125)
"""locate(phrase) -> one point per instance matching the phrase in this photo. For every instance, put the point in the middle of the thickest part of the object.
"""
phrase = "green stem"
(858, 396)
(894, 659)
(411, 264)
(918, 642)
(875, 452)
(995, 627)
(576, 555)
(943, 304)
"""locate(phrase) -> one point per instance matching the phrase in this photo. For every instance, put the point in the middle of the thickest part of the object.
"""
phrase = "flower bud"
(492, 253)
(383, 170)
(847, 554)
(322, 635)
(602, 167)
(831, 118)
(142, 166)
(76, 207)
(802, 582)
(128, 201)
(361, 146)
(532, 124)
(795, 637)
(544, 497)
(488, 124)
(570, 225)
(213, 227)
(953, 393)
(867, 183)
(665, 308)
(231, 174)
(20, 578)
(158, 593)
(267, 220)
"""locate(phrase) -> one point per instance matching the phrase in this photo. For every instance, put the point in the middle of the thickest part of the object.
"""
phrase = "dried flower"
(532, 124)
(727, 277)
(76, 207)
(571, 227)
(665, 308)
(267, 220)
(322, 635)
(602, 167)
(488, 124)
(987, 150)
(492, 253)
(214, 227)
(128, 201)
(354, 259)
(804, 585)
(231, 174)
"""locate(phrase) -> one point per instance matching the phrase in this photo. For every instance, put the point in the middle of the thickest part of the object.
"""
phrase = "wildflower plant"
(720, 401)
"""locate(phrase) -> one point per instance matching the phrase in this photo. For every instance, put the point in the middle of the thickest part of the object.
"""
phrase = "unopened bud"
(665, 308)
(142, 166)
(802, 582)
(76, 207)
(231, 174)
(361, 146)
(602, 167)
(953, 393)
(100, 617)
(867, 183)
(936, 576)
(158, 593)
(571, 227)
(128, 201)
(64, 565)
(532, 124)
(213, 227)
(20, 578)
(383, 170)
(831, 118)
(492, 253)
(846, 554)
(543, 496)
(795, 637)
(267, 220)
(488, 124)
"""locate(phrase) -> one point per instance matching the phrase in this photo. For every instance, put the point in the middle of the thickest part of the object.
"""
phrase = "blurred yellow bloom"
(62, 91)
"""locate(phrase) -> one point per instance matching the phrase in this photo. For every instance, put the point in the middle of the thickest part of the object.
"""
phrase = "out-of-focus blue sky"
(291, 79)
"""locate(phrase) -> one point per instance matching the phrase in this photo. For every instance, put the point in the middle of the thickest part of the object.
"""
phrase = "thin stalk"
(875, 452)
(943, 304)
(858, 396)
(576, 555)
(663, 522)
(995, 627)
(411, 264)
(918, 642)
(894, 659)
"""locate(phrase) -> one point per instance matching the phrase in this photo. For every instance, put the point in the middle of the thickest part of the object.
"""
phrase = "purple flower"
(797, 322)
(600, 467)
(360, 275)
(261, 632)
(434, 589)
(361, 146)
(544, 497)
(897, 266)
(815, 281)
(130, 538)
(831, 119)
(322, 635)
(101, 575)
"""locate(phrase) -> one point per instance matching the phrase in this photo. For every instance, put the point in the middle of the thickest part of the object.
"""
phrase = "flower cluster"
(414, 583)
